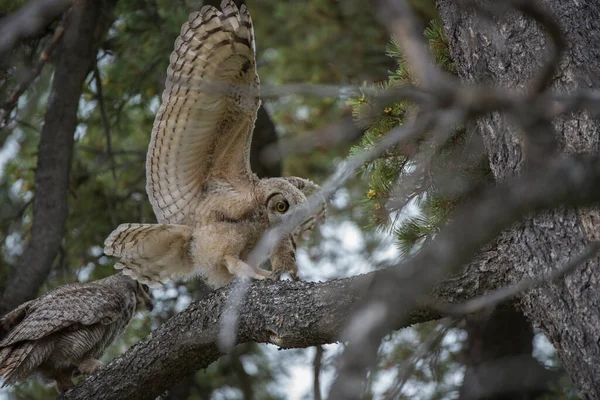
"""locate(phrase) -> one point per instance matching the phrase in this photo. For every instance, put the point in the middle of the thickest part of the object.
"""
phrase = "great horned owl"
(211, 207)
(65, 331)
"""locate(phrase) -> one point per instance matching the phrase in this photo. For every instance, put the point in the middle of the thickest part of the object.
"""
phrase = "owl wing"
(150, 253)
(10, 320)
(84, 304)
(203, 128)
(309, 188)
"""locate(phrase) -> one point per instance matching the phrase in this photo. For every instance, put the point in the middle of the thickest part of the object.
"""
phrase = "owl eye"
(282, 206)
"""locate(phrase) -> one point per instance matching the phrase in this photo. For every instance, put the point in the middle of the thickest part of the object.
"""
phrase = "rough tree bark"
(508, 53)
(289, 314)
(85, 24)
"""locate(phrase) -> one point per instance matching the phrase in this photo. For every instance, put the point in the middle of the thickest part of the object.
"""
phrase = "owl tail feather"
(15, 365)
(151, 253)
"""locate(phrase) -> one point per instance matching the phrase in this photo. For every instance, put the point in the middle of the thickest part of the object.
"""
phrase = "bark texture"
(509, 51)
(288, 314)
(84, 25)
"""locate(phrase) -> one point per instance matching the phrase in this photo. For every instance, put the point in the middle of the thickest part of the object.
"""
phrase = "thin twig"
(11, 103)
(105, 123)
(29, 20)
(408, 365)
(398, 18)
(317, 372)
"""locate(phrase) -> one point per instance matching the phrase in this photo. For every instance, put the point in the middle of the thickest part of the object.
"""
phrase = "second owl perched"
(211, 208)
(65, 331)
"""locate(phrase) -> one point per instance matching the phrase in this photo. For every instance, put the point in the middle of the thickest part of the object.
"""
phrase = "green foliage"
(413, 187)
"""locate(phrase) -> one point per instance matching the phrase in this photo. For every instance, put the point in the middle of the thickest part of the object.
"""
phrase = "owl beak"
(148, 304)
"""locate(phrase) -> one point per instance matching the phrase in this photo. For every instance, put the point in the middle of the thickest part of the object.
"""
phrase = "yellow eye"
(281, 206)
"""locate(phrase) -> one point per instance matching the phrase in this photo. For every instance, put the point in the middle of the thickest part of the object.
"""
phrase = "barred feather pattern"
(203, 128)
(150, 253)
(210, 207)
(51, 335)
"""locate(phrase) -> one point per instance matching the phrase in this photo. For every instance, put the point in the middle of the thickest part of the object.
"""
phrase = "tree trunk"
(499, 360)
(75, 55)
(509, 52)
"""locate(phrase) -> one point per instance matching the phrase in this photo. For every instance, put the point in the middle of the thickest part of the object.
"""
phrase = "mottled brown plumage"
(66, 330)
(211, 207)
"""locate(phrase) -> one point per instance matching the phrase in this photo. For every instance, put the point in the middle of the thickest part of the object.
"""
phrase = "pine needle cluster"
(412, 198)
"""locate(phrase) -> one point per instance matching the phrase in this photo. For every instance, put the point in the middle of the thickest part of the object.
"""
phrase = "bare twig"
(408, 366)
(105, 122)
(331, 135)
(398, 18)
(506, 293)
(317, 372)
(29, 20)
(11, 103)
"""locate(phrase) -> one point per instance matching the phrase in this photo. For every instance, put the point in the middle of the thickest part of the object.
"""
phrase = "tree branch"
(12, 101)
(29, 20)
(303, 314)
(566, 181)
(290, 314)
(76, 53)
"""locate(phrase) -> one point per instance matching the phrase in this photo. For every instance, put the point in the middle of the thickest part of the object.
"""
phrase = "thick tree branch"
(290, 314)
(566, 181)
(75, 56)
(301, 314)
(567, 311)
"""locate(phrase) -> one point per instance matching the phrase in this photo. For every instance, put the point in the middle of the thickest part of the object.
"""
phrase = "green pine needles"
(414, 187)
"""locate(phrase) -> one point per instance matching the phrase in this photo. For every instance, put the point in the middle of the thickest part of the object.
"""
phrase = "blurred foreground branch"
(29, 20)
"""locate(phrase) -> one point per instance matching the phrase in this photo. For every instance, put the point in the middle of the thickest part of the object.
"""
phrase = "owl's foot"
(240, 269)
(63, 383)
(89, 366)
(276, 275)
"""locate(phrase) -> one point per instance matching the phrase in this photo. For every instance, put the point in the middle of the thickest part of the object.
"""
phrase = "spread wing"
(203, 128)
(68, 305)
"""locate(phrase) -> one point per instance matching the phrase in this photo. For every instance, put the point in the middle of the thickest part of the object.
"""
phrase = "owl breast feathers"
(64, 331)
(211, 208)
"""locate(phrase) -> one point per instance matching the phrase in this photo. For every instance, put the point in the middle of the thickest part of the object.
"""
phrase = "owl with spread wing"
(211, 208)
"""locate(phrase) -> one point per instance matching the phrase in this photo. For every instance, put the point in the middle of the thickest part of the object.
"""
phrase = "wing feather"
(150, 253)
(67, 305)
(203, 128)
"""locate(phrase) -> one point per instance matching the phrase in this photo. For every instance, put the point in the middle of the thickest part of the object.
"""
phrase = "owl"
(63, 333)
(210, 207)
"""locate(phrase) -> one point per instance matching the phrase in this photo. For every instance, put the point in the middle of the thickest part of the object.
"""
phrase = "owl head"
(281, 199)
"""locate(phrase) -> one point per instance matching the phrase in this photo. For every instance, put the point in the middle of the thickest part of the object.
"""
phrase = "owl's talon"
(238, 268)
(89, 366)
(276, 275)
